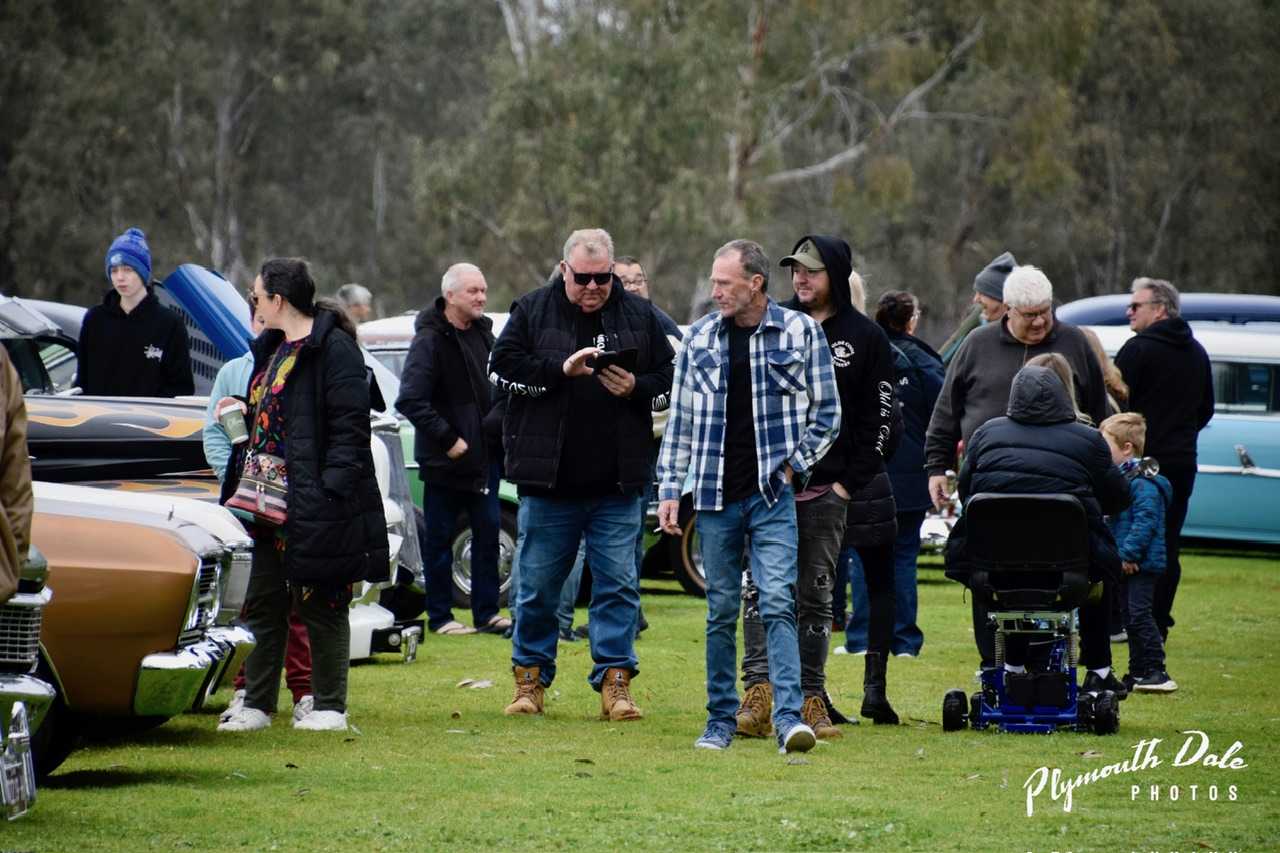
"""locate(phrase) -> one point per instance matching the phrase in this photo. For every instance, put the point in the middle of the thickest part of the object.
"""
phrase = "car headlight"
(205, 598)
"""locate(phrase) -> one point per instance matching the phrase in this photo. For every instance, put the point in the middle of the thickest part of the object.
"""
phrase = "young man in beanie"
(131, 345)
(988, 303)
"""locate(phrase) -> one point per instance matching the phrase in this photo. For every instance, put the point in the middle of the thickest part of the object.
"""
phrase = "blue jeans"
(849, 573)
(441, 506)
(774, 542)
(553, 527)
(907, 636)
(1146, 650)
(569, 592)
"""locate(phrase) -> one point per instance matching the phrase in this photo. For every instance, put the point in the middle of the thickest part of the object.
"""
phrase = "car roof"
(19, 319)
(1223, 342)
(396, 332)
(1109, 310)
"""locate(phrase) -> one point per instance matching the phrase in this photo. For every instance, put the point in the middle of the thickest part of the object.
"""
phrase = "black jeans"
(1183, 481)
(1146, 651)
(441, 507)
(266, 612)
(820, 527)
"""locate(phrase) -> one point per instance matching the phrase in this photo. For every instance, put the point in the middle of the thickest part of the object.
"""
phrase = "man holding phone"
(576, 435)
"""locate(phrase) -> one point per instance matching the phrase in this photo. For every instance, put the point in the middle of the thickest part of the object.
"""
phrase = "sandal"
(454, 629)
(497, 625)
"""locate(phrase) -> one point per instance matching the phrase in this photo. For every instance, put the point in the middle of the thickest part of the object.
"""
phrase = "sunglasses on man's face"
(582, 279)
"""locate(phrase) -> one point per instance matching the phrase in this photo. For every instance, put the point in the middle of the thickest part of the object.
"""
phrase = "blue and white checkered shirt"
(794, 400)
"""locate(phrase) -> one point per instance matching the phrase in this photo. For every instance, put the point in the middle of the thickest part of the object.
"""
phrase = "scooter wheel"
(1106, 713)
(975, 711)
(954, 717)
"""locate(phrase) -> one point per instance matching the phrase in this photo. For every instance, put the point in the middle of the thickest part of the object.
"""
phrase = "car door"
(1238, 483)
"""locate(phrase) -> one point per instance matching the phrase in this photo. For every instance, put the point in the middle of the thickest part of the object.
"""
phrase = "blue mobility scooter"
(1029, 563)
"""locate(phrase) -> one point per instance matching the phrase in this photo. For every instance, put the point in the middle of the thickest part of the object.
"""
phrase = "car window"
(392, 359)
(31, 370)
(1244, 387)
(60, 363)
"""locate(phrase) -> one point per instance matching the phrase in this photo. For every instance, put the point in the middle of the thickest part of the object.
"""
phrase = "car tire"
(58, 735)
(461, 549)
(686, 555)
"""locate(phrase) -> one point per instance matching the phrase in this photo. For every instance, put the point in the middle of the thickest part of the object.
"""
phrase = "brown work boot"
(815, 716)
(615, 697)
(754, 714)
(528, 698)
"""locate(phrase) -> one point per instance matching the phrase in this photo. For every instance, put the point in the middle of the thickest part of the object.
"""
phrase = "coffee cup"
(231, 416)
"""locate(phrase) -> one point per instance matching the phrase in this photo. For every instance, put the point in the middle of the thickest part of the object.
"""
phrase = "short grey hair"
(1162, 292)
(1027, 287)
(752, 257)
(596, 241)
(451, 279)
(354, 294)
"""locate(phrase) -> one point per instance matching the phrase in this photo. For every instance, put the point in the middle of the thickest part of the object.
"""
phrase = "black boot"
(875, 705)
(836, 717)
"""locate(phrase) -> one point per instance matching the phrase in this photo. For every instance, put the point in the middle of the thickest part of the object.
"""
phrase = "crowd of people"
(810, 434)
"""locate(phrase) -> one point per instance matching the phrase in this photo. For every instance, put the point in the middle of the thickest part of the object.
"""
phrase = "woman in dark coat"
(1041, 448)
(919, 379)
(309, 399)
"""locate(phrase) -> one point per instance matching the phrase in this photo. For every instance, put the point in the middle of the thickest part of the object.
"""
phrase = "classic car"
(137, 631)
(1228, 308)
(1238, 482)
(25, 698)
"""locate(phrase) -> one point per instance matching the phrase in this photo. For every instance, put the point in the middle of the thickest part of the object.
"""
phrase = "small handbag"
(263, 490)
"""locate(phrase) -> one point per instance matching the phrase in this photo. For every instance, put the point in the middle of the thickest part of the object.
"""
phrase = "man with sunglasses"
(1171, 385)
(577, 436)
(976, 389)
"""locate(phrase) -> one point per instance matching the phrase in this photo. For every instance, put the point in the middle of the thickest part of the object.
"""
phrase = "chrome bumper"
(172, 682)
(23, 700)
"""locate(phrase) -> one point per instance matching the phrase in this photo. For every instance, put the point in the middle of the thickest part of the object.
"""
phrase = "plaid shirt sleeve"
(823, 413)
(677, 441)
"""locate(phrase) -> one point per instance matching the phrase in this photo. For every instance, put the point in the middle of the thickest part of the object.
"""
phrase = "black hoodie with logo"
(143, 353)
(871, 424)
(1171, 384)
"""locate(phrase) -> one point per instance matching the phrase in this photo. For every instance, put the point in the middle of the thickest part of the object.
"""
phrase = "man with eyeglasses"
(1171, 384)
(976, 389)
(577, 434)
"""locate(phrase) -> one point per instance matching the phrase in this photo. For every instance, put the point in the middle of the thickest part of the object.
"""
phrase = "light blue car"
(1237, 491)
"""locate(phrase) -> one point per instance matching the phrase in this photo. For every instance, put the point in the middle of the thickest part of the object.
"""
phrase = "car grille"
(19, 635)
(206, 601)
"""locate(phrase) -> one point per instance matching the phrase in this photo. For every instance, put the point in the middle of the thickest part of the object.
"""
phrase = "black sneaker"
(1093, 683)
(582, 632)
(567, 636)
(1128, 681)
(1155, 682)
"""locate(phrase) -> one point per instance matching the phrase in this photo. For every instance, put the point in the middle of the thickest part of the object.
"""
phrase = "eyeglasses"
(1134, 306)
(582, 279)
(1032, 316)
(634, 280)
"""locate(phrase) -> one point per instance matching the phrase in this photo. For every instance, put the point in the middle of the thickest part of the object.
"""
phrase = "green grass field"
(435, 767)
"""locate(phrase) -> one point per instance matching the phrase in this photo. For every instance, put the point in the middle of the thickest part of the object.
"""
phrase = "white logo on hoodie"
(842, 353)
(153, 351)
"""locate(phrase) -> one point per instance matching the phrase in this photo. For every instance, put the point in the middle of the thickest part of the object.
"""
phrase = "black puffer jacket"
(871, 426)
(1040, 449)
(527, 363)
(337, 533)
(439, 399)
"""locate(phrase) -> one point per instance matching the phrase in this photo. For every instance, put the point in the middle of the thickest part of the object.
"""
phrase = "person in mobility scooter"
(1033, 548)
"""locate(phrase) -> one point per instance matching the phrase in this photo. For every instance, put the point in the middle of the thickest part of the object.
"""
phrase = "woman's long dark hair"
(291, 278)
(895, 310)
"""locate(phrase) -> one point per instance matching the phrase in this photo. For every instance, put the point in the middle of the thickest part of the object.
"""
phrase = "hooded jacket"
(1139, 529)
(1171, 384)
(976, 388)
(440, 400)
(919, 379)
(16, 501)
(1039, 448)
(336, 531)
(863, 362)
(143, 353)
(527, 363)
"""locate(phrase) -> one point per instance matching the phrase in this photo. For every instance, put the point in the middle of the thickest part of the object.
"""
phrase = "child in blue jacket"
(1139, 533)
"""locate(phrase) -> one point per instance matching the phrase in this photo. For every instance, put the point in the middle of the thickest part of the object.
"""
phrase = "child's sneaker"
(1094, 683)
(1155, 682)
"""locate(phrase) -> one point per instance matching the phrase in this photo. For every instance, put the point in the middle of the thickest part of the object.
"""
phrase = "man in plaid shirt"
(754, 406)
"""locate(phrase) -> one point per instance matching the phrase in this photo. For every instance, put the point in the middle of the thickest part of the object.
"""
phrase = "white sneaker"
(245, 720)
(237, 702)
(304, 706)
(323, 721)
(800, 738)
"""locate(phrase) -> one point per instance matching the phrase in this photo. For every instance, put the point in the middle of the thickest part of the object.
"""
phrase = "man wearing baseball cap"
(131, 345)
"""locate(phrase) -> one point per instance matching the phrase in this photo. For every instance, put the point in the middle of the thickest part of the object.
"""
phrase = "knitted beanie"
(130, 250)
(990, 282)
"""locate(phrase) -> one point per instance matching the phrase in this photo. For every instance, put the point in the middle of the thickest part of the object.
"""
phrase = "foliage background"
(385, 139)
